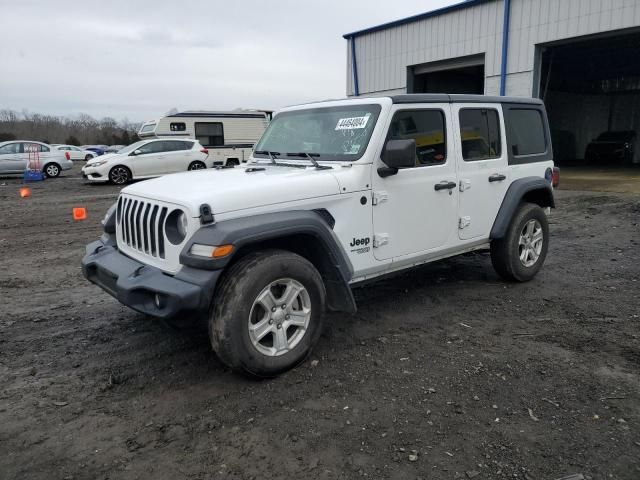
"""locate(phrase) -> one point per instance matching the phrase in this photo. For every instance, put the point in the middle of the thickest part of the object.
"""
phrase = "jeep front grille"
(141, 225)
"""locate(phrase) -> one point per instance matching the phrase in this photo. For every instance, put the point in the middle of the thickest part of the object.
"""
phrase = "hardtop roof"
(460, 98)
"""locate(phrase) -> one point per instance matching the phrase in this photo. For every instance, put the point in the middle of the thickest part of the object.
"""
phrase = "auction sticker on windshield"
(352, 123)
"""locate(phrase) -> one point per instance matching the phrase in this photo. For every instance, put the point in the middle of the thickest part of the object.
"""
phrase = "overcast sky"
(139, 58)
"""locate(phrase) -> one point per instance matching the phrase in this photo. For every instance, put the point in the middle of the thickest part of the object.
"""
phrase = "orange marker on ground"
(79, 213)
(25, 192)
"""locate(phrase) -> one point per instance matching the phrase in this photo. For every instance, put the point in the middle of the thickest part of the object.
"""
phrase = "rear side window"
(526, 132)
(210, 134)
(426, 127)
(177, 126)
(480, 133)
(176, 145)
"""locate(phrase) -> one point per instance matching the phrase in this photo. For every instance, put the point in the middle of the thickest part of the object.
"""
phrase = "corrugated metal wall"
(383, 56)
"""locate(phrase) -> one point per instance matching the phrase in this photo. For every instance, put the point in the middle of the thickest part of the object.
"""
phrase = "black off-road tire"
(231, 308)
(505, 252)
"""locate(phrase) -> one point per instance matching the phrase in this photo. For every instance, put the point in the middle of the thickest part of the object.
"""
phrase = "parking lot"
(445, 372)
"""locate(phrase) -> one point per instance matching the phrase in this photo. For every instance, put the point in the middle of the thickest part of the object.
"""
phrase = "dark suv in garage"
(612, 147)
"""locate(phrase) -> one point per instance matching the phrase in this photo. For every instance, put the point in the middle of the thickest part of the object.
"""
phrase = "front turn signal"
(222, 251)
(211, 251)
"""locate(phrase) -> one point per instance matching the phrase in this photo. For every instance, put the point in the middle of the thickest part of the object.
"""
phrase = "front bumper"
(94, 175)
(141, 286)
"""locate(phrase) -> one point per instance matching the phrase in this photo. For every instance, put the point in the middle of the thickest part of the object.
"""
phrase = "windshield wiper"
(272, 155)
(310, 156)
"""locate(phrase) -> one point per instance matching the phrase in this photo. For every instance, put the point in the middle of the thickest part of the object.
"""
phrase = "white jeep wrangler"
(336, 193)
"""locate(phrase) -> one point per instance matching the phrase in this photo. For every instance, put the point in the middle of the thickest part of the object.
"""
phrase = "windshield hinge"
(379, 197)
(380, 239)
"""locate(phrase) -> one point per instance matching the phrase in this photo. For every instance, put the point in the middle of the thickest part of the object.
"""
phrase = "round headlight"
(176, 226)
(182, 225)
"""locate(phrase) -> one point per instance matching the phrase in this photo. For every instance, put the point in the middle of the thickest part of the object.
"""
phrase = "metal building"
(581, 56)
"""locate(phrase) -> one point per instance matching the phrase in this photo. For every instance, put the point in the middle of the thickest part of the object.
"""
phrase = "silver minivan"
(14, 157)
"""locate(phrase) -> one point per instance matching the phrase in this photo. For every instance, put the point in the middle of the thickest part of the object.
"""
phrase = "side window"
(152, 147)
(210, 134)
(10, 148)
(480, 133)
(177, 127)
(175, 145)
(33, 147)
(427, 128)
(526, 132)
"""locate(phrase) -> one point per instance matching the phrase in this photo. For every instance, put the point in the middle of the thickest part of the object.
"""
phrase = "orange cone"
(25, 192)
(79, 213)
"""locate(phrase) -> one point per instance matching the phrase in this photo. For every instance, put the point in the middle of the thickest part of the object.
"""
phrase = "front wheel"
(267, 314)
(119, 175)
(520, 254)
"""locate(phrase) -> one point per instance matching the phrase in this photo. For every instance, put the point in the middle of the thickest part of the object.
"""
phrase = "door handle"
(444, 185)
(497, 177)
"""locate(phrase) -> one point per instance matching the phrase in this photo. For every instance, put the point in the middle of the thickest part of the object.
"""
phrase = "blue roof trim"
(421, 16)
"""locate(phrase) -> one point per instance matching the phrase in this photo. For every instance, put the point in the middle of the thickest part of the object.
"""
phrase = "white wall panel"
(383, 56)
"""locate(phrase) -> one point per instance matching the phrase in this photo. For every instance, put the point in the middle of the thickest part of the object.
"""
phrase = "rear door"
(178, 156)
(414, 210)
(482, 167)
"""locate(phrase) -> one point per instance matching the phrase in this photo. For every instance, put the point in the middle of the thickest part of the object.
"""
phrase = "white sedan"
(146, 159)
(76, 153)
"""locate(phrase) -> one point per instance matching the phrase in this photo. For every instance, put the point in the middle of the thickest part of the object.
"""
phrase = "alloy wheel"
(530, 243)
(119, 175)
(279, 317)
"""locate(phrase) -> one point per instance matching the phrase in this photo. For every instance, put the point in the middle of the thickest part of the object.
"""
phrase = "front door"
(482, 167)
(415, 210)
(11, 158)
(148, 161)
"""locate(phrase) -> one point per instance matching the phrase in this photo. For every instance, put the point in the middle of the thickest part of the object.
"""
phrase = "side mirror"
(397, 154)
(136, 152)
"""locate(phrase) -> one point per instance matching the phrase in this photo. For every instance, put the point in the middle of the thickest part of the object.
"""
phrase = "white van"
(229, 136)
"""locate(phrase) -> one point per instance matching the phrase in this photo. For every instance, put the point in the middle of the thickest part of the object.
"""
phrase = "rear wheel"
(51, 170)
(88, 157)
(233, 162)
(267, 313)
(197, 165)
(520, 254)
(119, 175)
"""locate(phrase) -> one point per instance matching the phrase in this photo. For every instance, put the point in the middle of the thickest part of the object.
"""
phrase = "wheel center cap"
(278, 315)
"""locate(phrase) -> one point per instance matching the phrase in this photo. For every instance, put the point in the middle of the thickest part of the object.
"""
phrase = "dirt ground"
(446, 372)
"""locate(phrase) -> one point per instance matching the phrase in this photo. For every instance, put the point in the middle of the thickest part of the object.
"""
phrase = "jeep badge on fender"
(288, 235)
(359, 241)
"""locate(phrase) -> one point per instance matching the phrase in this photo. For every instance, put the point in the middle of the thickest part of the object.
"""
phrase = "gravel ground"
(445, 372)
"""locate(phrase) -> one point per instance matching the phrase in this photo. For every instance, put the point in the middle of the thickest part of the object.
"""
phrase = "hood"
(102, 158)
(230, 189)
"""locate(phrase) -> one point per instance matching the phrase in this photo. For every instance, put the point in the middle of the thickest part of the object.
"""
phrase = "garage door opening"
(591, 89)
(461, 75)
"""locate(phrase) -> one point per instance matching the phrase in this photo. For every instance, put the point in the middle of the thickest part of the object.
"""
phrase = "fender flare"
(539, 191)
(243, 232)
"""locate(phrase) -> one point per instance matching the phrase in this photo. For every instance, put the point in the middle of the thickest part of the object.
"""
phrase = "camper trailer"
(229, 136)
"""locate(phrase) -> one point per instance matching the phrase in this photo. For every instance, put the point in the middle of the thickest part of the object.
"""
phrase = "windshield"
(330, 133)
(148, 128)
(132, 147)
